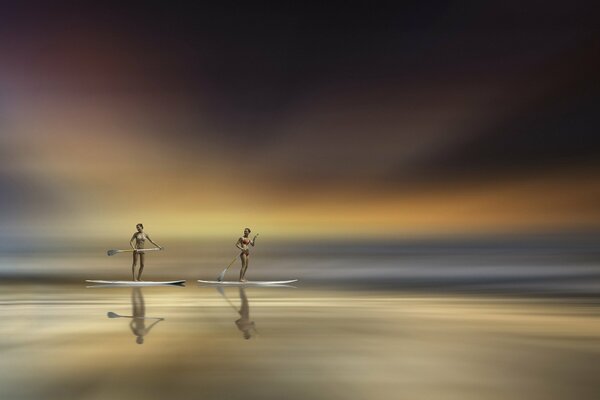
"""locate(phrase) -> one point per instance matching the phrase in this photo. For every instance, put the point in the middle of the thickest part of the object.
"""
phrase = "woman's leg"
(135, 258)
(142, 256)
(244, 259)
(137, 303)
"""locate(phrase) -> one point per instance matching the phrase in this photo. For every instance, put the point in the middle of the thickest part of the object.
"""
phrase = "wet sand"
(56, 342)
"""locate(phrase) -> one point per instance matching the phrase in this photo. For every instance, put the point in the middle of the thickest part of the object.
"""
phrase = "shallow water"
(57, 342)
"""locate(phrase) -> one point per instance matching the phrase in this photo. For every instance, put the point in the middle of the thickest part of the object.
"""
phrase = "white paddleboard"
(137, 283)
(248, 283)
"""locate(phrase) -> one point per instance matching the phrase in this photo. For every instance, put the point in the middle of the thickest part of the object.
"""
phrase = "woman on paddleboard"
(242, 244)
(137, 243)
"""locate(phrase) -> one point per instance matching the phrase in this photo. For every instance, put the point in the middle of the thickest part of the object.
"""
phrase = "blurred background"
(367, 131)
(389, 121)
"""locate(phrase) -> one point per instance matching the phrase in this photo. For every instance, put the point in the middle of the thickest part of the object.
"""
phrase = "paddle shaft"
(130, 250)
(115, 251)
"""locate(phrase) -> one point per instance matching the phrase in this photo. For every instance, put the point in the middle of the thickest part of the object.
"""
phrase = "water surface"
(57, 342)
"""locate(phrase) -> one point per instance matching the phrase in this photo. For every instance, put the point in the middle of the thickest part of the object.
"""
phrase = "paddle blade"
(112, 252)
(222, 275)
(111, 314)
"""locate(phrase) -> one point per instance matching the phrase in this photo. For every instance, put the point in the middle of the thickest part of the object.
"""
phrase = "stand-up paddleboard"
(247, 283)
(137, 283)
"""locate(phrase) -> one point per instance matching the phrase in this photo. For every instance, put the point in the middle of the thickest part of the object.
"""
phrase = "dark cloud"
(555, 127)
(240, 72)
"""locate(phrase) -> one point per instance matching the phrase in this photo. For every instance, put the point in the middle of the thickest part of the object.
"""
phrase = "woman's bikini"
(140, 238)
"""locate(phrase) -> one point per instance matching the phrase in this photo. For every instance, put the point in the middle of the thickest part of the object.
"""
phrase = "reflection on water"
(244, 324)
(139, 320)
(55, 343)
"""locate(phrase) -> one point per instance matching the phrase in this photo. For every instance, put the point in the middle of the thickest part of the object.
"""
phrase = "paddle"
(112, 252)
(111, 314)
(222, 274)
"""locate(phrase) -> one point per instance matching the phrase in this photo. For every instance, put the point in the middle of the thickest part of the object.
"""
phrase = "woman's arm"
(131, 241)
(152, 325)
(152, 241)
(253, 239)
(239, 244)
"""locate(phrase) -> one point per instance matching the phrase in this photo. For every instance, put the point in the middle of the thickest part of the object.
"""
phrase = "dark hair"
(140, 224)
(248, 229)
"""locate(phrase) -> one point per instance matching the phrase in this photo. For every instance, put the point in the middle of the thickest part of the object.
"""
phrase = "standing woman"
(137, 243)
(242, 244)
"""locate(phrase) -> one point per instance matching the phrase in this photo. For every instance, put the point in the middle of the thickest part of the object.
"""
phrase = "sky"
(364, 120)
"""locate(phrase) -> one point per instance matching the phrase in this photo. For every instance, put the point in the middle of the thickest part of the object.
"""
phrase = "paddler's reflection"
(138, 319)
(244, 324)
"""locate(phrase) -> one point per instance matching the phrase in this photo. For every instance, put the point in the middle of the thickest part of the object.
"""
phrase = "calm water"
(378, 322)
(58, 342)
